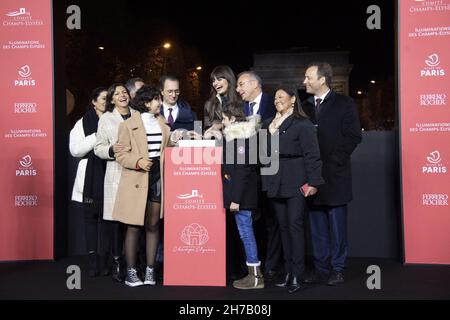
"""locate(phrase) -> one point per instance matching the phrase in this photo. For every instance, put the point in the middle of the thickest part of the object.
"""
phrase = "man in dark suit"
(178, 113)
(339, 133)
(256, 102)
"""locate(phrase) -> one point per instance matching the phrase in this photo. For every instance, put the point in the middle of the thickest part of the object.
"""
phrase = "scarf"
(278, 120)
(96, 167)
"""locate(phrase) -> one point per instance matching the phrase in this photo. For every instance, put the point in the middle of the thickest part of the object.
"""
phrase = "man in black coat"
(257, 102)
(339, 133)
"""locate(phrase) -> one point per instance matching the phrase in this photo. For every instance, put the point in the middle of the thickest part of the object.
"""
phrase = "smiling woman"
(222, 94)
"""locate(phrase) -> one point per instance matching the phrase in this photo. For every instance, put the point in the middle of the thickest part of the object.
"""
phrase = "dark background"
(214, 33)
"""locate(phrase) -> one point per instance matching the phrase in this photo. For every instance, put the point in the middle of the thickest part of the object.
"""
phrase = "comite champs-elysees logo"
(425, 6)
(193, 195)
(434, 165)
(20, 18)
(24, 79)
(20, 12)
(432, 68)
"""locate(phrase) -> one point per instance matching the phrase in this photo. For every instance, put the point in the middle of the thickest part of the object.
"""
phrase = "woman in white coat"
(88, 186)
(117, 111)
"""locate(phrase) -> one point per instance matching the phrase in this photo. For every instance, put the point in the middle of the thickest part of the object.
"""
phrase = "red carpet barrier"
(26, 127)
(425, 129)
(194, 218)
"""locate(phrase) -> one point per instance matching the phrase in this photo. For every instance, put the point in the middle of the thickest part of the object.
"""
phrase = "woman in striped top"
(138, 203)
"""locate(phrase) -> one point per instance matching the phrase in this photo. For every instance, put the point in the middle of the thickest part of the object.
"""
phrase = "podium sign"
(26, 131)
(194, 217)
(424, 66)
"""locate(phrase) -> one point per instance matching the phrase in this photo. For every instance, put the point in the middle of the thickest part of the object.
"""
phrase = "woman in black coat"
(240, 187)
(292, 143)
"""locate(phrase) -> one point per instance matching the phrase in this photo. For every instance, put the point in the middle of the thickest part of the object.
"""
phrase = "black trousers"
(273, 243)
(92, 213)
(112, 237)
(290, 214)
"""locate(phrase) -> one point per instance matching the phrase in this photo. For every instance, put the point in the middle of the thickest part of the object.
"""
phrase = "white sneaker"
(132, 278)
(150, 276)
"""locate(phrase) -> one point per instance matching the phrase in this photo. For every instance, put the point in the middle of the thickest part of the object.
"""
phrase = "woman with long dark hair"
(140, 195)
(294, 141)
(117, 111)
(88, 186)
(223, 94)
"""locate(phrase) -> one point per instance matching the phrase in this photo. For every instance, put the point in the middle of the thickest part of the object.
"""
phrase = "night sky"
(229, 33)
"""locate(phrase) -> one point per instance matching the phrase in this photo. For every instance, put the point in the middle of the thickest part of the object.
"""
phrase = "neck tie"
(317, 109)
(170, 117)
(251, 105)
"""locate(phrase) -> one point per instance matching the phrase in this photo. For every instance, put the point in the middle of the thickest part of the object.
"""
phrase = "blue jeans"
(329, 237)
(244, 222)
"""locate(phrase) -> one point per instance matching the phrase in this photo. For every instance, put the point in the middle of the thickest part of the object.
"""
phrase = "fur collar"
(243, 129)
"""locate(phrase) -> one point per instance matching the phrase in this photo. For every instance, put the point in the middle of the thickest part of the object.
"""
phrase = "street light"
(199, 68)
(373, 81)
(101, 48)
(167, 45)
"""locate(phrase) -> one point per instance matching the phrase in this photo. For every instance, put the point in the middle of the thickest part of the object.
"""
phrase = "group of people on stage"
(120, 178)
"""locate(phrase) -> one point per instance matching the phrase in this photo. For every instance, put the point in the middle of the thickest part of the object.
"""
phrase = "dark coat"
(266, 107)
(186, 116)
(239, 175)
(299, 158)
(339, 132)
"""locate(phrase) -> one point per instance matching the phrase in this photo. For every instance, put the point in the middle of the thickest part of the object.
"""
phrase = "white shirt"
(175, 110)
(257, 103)
(154, 134)
(321, 97)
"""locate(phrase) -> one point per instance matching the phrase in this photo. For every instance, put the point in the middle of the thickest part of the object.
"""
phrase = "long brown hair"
(231, 96)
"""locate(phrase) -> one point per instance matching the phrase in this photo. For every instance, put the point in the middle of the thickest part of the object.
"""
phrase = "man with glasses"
(256, 102)
(178, 113)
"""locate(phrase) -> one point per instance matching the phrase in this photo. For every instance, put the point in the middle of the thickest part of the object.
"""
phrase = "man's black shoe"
(336, 278)
(286, 282)
(295, 285)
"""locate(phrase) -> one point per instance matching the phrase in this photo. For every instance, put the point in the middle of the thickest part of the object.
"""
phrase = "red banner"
(194, 218)
(26, 141)
(424, 61)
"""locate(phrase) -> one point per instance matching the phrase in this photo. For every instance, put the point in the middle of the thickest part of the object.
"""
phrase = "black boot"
(93, 264)
(104, 266)
(295, 285)
(116, 270)
(286, 282)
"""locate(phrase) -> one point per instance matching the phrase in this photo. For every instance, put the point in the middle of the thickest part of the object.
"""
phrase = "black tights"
(151, 225)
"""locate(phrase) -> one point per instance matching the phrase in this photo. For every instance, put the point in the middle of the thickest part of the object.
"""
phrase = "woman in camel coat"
(140, 194)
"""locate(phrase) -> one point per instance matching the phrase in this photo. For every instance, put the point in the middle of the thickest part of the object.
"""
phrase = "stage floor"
(47, 280)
